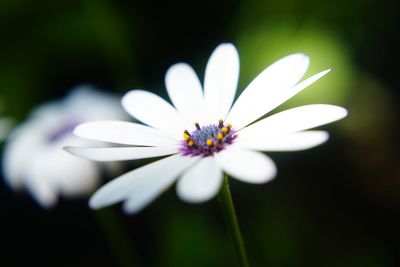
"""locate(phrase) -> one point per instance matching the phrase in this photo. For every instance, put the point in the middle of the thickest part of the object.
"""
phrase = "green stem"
(228, 210)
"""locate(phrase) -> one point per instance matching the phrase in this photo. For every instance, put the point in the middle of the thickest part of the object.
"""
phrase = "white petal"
(42, 190)
(307, 82)
(220, 82)
(144, 194)
(289, 142)
(294, 120)
(53, 172)
(44, 196)
(201, 182)
(245, 165)
(159, 174)
(72, 175)
(185, 91)
(155, 112)
(66, 174)
(268, 90)
(16, 156)
(120, 153)
(122, 132)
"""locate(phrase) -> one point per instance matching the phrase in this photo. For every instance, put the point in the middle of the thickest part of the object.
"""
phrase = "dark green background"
(336, 205)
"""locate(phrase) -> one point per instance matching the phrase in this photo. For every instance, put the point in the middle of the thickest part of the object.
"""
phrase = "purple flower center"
(207, 140)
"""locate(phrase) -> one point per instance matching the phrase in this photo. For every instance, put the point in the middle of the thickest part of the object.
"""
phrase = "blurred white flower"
(33, 156)
(204, 133)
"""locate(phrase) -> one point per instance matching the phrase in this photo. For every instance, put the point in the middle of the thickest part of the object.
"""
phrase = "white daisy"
(204, 133)
(33, 156)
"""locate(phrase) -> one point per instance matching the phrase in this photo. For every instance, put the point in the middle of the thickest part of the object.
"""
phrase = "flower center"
(207, 140)
(62, 130)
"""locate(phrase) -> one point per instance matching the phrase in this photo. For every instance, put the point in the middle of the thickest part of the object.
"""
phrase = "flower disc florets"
(207, 140)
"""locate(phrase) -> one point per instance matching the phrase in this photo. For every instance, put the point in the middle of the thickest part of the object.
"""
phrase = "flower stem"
(228, 210)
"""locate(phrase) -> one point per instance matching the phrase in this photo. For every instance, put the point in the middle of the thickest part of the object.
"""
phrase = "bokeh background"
(334, 205)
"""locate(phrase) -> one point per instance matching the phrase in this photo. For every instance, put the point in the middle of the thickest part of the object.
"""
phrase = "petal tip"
(300, 56)
(129, 95)
(78, 130)
(322, 73)
(74, 151)
(226, 48)
(67, 149)
(129, 210)
(227, 45)
(301, 60)
(271, 176)
(344, 112)
(324, 136)
(190, 198)
(45, 201)
(93, 204)
(340, 112)
(176, 67)
(125, 98)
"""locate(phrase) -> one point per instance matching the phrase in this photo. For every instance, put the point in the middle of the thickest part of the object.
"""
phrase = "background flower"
(33, 155)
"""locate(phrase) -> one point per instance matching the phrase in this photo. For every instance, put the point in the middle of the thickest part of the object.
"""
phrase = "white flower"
(33, 155)
(204, 133)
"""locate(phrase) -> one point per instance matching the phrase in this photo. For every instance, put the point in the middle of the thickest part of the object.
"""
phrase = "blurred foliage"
(50, 47)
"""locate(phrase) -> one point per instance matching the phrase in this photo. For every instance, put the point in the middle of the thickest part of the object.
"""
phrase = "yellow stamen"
(186, 137)
(229, 125)
(209, 142)
(225, 130)
(220, 136)
(190, 143)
